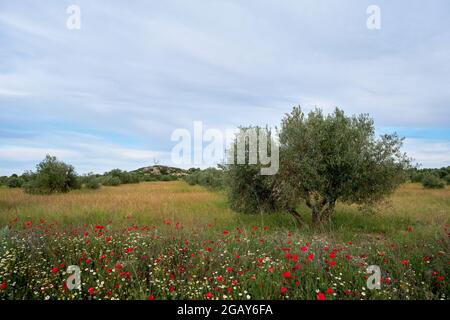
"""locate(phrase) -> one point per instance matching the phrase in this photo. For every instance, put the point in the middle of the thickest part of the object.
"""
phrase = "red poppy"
(118, 266)
(310, 256)
(171, 289)
(405, 262)
(3, 285)
(219, 278)
(225, 232)
(440, 278)
(229, 269)
(91, 291)
(283, 290)
(151, 297)
(108, 239)
(332, 255)
(128, 250)
(287, 275)
(54, 270)
(304, 248)
(330, 291)
(332, 263)
(208, 295)
(320, 296)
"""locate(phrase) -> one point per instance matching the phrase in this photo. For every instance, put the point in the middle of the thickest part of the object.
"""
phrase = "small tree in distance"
(51, 176)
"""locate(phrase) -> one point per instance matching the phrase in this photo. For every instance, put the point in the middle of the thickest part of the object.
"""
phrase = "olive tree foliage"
(330, 158)
(249, 191)
(323, 159)
(51, 176)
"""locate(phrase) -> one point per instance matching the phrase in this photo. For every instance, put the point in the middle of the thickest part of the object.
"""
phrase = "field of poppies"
(168, 240)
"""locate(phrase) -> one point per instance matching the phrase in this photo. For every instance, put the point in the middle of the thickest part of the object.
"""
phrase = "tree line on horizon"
(55, 176)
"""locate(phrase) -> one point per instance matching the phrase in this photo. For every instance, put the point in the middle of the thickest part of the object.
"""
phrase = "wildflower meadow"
(146, 250)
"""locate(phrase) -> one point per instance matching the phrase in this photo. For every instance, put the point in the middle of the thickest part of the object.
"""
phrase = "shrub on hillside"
(432, 181)
(124, 176)
(210, 178)
(51, 176)
(90, 181)
(166, 177)
(110, 181)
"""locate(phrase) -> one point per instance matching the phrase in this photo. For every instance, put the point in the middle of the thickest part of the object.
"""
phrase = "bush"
(51, 176)
(149, 178)
(191, 179)
(432, 181)
(210, 178)
(447, 179)
(3, 181)
(166, 177)
(111, 181)
(91, 182)
(125, 177)
(14, 181)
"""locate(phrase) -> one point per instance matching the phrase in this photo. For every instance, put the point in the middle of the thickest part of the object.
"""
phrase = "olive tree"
(248, 190)
(330, 158)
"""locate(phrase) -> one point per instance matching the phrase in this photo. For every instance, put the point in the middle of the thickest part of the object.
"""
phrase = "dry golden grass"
(153, 202)
(431, 207)
(145, 202)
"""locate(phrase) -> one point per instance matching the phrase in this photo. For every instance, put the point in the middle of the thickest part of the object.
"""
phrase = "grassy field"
(169, 240)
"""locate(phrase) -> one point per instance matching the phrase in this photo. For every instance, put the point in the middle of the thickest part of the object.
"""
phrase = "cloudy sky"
(110, 94)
